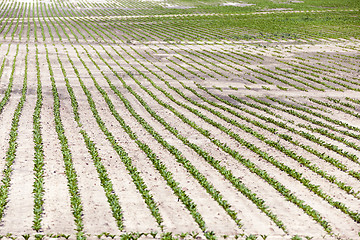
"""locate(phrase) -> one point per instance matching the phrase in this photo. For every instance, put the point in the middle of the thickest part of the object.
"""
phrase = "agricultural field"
(179, 119)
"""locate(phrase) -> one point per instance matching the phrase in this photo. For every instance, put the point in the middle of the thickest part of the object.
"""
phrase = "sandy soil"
(257, 68)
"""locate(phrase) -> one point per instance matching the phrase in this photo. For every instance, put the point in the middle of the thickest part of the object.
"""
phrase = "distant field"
(179, 119)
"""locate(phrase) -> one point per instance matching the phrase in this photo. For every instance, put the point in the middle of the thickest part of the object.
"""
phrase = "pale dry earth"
(167, 77)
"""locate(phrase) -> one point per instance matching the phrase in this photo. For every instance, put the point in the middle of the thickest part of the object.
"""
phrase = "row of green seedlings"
(61, 24)
(38, 152)
(11, 151)
(69, 6)
(291, 172)
(151, 32)
(274, 75)
(187, 32)
(247, 163)
(287, 74)
(297, 70)
(65, 9)
(242, 59)
(340, 184)
(289, 108)
(356, 101)
(15, 28)
(274, 144)
(110, 9)
(211, 63)
(331, 135)
(215, 194)
(207, 157)
(7, 93)
(9, 7)
(108, 29)
(211, 68)
(309, 136)
(300, 159)
(233, 179)
(312, 106)
(251, 166)
(345, 104)
(28, 24)
(82, 26)
(19, 20)
(40, 12)
(114, 10)
(5, 24)
(304, 72)
(54, 13)
(75, 200)
(36, 21)
(161, 167)
(346, 59)
(343, 186)
(46, 20)
(328, 70)
(245, 63)
(347, 188)
(173, 33)
(105, 181)
(338, 63)
(69, 29)
(134, 173)
(309, 119)
(288, 138)
(339, 108)
(148, 235)
(34, 28)
(140, 33)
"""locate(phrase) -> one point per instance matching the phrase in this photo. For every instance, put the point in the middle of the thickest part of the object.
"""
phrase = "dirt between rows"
(97, 217)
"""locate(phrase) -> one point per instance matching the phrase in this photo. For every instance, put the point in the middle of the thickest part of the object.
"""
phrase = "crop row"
(261, 173)
(75, 200)
(11, 151)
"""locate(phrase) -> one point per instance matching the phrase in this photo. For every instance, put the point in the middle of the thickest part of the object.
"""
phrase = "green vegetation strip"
(271, 143)
(281, 166)
(106, 183)
(291, 154)
(286, 137)
(251, 166)
(290, 109)
(11, 152)
(39, 152)
(77, 208)
(216, 195)
(134, 173)
(215, 163)
(11, 79)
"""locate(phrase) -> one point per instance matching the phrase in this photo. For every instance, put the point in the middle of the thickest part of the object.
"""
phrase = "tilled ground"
(103, 137)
